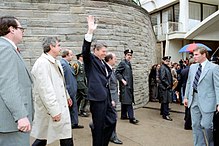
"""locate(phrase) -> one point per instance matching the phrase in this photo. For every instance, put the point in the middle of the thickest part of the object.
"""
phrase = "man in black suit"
(98, 73)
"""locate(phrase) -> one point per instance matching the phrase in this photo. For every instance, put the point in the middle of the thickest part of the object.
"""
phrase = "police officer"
(125, 77)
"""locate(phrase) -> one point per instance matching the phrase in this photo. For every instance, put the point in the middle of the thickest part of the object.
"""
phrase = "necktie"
(18, 50)
(197, 76)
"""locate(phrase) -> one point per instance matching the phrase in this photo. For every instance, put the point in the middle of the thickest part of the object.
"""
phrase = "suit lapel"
(19, 56)
(204, 72)
(71, 68)
(21, 59)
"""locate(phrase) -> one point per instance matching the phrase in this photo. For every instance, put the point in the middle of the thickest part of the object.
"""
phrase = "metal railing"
(167, 27)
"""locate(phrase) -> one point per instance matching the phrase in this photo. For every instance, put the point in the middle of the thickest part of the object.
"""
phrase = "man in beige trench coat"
(51, 99)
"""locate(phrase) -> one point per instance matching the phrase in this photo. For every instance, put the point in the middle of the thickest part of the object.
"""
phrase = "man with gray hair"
(51, 100)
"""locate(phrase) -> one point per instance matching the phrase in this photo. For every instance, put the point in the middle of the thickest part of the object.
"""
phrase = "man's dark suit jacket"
(70, 80)
(98, 81)
(184, 77)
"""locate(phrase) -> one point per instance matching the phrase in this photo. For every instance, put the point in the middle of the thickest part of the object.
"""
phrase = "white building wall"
(172, 49)
(151, 5)
(184, 14)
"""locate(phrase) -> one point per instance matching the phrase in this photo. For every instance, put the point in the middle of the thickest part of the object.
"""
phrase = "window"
(155, 19)
(208, 10)
(167, 15)
(195, 11)
(176, 13)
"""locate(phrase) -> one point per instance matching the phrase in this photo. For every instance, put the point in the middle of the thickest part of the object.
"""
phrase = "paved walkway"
(151, 131)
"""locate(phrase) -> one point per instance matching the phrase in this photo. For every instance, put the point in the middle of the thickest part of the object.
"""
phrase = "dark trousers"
(127, 108)
(188, 120)
(104, 120)
(63, 142)
(114, 134)
(152, 92)
(74, 112)
(81, 99)
(164, 109)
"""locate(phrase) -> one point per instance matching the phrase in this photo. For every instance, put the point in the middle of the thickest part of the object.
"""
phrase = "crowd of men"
(45, 103)
(193, 83)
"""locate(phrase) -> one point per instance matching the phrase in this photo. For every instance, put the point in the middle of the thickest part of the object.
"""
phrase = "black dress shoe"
(154, 100)
(77, 126)
(84, 114)
(188, 128)
(134, 121)
(116, 141)
(124, 118)
(91, 125)
(167, 118)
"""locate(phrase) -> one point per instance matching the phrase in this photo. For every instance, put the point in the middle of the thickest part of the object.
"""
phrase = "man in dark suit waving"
(98, 73)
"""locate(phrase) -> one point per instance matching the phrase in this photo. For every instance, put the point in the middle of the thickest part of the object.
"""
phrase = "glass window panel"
(167, 15)
(195, 11)
(208, 10)
(176, 12)
(154, 19)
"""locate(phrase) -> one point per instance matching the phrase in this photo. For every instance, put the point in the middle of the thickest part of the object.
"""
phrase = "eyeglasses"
(21, 28)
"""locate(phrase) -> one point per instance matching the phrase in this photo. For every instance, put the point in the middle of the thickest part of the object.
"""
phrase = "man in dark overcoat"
(125, 77)
(165, 87)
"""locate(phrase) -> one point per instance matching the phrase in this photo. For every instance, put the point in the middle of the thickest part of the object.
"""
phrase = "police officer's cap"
(79, 55)
(166, 57)
(128, 51)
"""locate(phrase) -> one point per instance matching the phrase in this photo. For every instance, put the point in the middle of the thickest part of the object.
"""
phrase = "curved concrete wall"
(121, 25)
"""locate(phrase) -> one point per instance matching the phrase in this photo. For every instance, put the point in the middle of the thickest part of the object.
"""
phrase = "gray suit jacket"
(15, 88)
(113, 85)
(208, 86)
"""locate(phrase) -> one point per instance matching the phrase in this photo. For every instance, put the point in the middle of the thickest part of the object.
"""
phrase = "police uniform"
(124, 72)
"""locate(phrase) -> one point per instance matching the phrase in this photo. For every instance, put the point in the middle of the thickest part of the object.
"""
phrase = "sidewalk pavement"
(152, 129)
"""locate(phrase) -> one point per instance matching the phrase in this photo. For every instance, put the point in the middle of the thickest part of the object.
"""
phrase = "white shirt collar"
(204, 63)
(109, 65)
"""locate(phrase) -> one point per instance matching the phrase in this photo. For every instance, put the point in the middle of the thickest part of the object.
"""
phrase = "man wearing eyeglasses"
(125, 77)
(15, 82)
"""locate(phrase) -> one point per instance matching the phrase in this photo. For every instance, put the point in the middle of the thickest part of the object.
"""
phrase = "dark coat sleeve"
(119, 71)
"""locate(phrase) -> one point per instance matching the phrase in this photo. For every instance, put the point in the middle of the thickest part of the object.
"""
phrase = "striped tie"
(197, 76)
